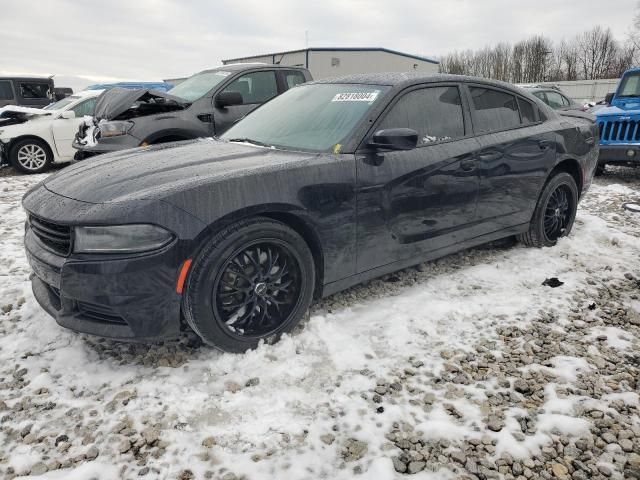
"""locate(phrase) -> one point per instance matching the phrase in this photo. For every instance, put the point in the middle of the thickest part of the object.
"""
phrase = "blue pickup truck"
(620, 124)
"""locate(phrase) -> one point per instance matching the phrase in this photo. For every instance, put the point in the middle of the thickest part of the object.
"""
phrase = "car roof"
(405, 79)
(236, 67)
(86, 93)
(29, 79)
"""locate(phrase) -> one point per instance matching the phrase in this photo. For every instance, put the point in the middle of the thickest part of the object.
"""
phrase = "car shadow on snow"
(177, 352)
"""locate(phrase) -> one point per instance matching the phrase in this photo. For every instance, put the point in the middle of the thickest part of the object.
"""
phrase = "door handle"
(468, 165)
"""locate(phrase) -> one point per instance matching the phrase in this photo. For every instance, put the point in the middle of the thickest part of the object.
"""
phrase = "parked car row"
(329, 184)
(122, 116)
(206, 104)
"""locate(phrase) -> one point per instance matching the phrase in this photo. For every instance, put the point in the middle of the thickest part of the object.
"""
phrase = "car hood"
(159, 171)
(12, 114)
(113, 103)
(625, 108)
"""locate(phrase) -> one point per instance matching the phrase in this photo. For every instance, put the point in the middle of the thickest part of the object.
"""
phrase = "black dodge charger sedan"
(333, 183)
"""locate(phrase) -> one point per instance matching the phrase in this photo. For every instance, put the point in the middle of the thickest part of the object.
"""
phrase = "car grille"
(619, 131)
(54, 236)
(99, 313)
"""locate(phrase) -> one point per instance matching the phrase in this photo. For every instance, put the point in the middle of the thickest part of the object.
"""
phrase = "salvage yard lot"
(467, 367)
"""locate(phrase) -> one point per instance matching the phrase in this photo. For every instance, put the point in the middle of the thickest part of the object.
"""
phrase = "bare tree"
(597, 51)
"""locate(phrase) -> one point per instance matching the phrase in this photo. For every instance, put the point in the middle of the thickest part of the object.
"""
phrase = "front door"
(255, 88)
(65, 129)
(412, 202)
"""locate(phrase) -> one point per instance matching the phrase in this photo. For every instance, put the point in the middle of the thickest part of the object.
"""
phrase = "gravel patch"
(467, 367)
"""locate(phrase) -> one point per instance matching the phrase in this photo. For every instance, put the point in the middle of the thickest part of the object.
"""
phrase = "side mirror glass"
(68, 114)
(227, 99)
(608, 97)
(395, 139)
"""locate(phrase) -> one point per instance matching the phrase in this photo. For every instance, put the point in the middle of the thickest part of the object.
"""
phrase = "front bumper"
(108, 144)
(4, 153)
(126, 298)
(620, 154)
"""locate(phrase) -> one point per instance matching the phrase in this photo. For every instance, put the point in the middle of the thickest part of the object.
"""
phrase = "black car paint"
(200, 118)
(364, 212)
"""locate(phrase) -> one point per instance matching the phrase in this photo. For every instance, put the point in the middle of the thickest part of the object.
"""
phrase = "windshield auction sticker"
(356, 97)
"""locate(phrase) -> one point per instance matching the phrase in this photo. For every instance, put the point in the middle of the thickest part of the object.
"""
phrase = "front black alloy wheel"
(253, 281)
(555, 212)
(257, 289)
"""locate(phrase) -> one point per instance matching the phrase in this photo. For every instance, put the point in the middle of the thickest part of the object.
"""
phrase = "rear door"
(7, 96)
(412, 202)
(517, 148)
(255, 88)
(33, 93)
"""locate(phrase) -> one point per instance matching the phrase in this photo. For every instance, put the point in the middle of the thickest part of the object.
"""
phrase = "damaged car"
(330, 184)
(204, 105)
(31, 139)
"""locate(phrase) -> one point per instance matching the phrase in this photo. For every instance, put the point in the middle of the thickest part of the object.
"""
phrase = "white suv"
(31, 139)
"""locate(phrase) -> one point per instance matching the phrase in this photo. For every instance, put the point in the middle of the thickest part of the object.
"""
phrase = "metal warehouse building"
(332, 62)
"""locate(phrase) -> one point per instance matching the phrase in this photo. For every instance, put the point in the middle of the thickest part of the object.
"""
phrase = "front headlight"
(120, 239)
(114, 129)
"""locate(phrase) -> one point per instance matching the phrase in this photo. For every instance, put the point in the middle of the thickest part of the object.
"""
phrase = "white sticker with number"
(356, 96)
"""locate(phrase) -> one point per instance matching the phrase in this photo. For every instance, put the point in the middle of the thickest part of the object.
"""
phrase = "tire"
(252, 282)
(600, 168)
(555, 212)
(31, 156)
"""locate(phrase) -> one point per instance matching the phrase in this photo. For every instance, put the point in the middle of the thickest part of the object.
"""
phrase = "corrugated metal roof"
(345, 49)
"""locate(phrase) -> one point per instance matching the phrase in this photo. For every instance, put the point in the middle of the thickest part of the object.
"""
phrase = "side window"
(85, 108)
(294, 78)
(494, 110)
(541, 96)
(34, 90)
(6, 92)
(434, 112)
(565, 101)
(554, 100)
(527, 112)
(256, 87)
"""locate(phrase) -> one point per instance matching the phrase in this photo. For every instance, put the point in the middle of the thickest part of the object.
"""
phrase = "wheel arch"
(169, 135)
(571, 166)
(289, 215)
(30, 136)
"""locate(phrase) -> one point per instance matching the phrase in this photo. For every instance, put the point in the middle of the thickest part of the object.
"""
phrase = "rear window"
(34, 90)
(527, 111)
(294, 78)
(494, 110)
(6, 92)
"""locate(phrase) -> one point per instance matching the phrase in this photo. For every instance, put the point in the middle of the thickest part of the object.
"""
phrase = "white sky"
(91, 41)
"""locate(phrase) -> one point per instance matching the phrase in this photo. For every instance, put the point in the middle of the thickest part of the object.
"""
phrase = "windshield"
(630, 86)
(308, 117)
(61, 103)
(197, 86)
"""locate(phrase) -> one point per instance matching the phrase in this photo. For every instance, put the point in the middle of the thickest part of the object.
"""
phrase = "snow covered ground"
(467, 367)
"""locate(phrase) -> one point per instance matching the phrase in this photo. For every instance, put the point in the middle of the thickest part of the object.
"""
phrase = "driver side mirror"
(68, 114)
(227, 99)
(608, 97)
(395, 139)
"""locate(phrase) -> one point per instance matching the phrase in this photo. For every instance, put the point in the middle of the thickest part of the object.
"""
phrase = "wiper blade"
(249, 140)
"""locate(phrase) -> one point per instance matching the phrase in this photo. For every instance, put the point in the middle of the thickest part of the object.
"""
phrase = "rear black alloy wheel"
(557, 213)
(253, 281)
(554, 213)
